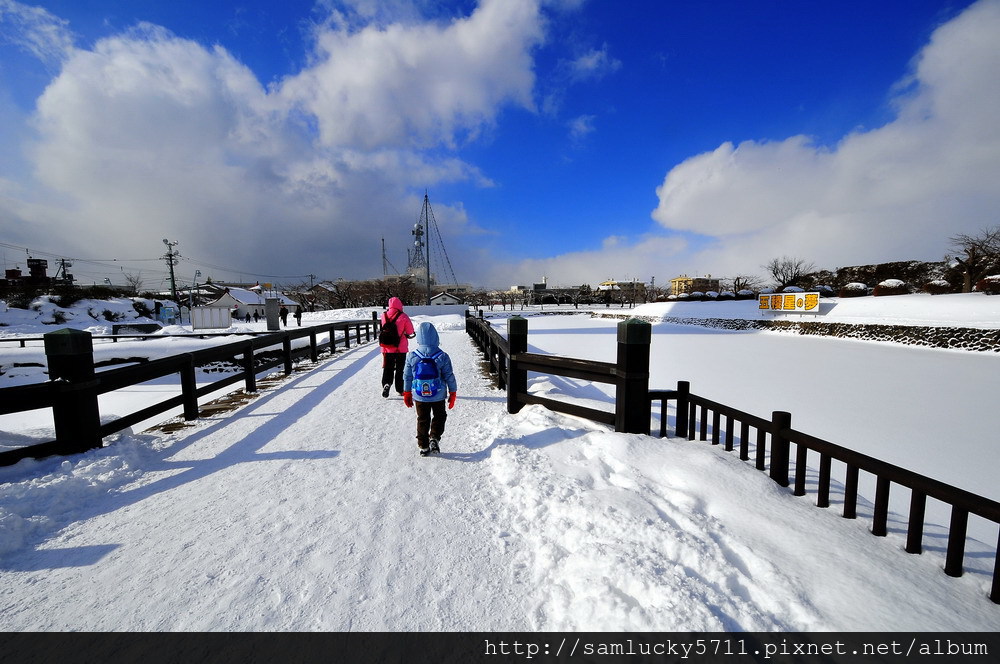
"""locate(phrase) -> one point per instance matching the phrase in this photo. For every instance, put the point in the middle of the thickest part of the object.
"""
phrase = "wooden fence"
(701, 418)
(74, 386)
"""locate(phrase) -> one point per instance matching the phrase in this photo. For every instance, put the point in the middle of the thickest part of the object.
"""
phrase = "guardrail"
(509, 360)
(115, 337)
(699, 418)
(74, 386)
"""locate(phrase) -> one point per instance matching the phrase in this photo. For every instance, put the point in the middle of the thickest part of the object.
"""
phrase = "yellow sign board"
(795, 302)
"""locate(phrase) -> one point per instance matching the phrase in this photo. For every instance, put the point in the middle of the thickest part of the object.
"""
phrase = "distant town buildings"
(686, 284)
(37, 274)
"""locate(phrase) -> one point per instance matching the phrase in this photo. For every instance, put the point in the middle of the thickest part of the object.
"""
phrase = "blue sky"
(577, 140)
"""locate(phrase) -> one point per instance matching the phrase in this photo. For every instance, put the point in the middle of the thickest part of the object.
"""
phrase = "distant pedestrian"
(298, 315)
(397, 328)
(429, 381)
(247, 319)
(256, 316)
(283, 312)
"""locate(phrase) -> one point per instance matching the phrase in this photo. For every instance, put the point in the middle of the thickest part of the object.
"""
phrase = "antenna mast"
(420, 258)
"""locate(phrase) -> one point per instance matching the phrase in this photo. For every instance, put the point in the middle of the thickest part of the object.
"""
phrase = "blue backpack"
(427, 382)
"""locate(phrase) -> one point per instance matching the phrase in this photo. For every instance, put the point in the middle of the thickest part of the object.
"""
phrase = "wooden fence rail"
(74, 386)
(772, 440)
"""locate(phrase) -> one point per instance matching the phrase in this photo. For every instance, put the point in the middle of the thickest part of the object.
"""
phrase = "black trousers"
(431, 416)
(392, 370)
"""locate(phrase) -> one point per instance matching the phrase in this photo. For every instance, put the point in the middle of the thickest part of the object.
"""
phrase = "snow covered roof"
(248, 296)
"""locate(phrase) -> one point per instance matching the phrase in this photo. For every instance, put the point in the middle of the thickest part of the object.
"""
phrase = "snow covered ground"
(309, 509)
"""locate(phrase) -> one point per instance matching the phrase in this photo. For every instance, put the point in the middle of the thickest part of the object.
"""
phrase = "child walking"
(396, 329)
(428, 379)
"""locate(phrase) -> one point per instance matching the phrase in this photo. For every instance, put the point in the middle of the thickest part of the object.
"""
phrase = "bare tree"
(134, 282)
(745, 282)
(478, 298)
(976, 254)
(786, 271)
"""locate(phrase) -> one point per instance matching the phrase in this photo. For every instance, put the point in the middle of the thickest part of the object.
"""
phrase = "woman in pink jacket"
(394, 355)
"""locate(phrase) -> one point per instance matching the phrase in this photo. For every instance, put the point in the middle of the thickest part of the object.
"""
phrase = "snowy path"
(281, 516)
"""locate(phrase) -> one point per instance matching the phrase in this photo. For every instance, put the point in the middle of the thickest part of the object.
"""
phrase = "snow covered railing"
(493, 345)
(698, 417)
(74, 386)
(701, 418)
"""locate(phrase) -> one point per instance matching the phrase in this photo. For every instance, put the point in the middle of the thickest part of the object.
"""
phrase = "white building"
(243, 301)
(446, 298)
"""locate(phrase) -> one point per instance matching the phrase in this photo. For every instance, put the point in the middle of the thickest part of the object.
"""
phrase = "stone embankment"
(957, 338)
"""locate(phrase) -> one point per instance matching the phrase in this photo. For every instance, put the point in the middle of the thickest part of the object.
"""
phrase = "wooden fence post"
(632, 386)
(189, 389)
(517, 379)
(780, 420)
(249, 374)
(70, 357)
(681, 417)
(957, 531)
(286, 353)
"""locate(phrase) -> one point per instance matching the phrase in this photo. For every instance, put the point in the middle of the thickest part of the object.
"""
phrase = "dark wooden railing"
(772, 440)
(510, 360)
(74, 386)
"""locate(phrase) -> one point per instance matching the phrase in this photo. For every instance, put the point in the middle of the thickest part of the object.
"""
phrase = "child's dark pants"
(392, 370)
(431, 416)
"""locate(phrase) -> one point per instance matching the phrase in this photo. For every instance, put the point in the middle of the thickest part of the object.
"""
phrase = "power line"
(244, 272)
(116, 265)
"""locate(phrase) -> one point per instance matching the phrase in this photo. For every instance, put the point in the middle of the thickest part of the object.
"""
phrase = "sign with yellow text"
(795, 302)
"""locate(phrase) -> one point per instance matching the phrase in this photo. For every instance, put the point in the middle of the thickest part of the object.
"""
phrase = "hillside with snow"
(308, 508)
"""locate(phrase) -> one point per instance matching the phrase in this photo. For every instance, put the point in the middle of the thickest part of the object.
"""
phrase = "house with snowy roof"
(243, 301)
(446, 298)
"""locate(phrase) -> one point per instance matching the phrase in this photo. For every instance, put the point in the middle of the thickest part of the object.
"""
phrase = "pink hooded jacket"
(403, 324)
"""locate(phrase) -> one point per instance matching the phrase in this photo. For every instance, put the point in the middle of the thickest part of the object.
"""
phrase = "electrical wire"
(117, 266)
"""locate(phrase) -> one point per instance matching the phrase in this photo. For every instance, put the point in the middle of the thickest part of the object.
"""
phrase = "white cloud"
(420, 84)
(581, 126)
(594, 64)
(893, 193)
(148, 135)
(35, 30)
(617, 259)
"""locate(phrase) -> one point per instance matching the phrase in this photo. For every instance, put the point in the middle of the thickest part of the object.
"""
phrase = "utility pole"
(66, 276)
(427, 226)
(171, 258)
(418, 259)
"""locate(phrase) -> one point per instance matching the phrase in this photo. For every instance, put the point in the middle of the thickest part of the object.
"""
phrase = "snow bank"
(955, 310)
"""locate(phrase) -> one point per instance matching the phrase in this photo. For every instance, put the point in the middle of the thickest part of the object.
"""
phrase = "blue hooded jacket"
(427, 345)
